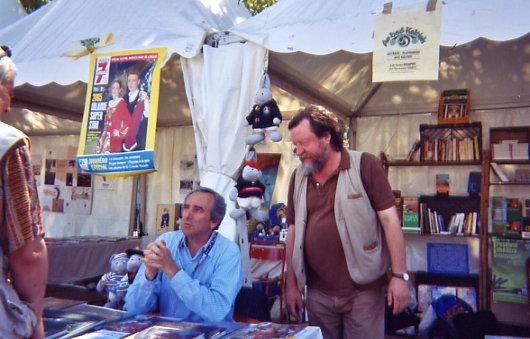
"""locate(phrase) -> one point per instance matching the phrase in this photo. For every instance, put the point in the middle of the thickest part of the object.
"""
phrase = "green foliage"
(31, 5)
(256, 6)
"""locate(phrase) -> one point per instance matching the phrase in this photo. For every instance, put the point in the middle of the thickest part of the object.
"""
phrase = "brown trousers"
(361, 315)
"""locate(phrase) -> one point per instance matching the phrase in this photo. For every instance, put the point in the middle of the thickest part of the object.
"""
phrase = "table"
(81, 258)
(61, 320)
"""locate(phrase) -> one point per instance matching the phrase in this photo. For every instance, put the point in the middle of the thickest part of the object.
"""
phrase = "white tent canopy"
(11, 11)
(40, 39)
(323, 27)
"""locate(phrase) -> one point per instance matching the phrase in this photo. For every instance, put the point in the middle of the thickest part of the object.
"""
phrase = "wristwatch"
(404, 276)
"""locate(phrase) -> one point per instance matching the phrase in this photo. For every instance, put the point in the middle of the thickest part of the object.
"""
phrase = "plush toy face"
(250, 173)
(134, 263)
(262, 96)
(118, 263)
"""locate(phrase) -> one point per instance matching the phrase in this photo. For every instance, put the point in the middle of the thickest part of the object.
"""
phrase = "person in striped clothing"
(21, 235)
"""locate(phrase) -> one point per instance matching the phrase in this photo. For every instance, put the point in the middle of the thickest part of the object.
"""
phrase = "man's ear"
(326, 137)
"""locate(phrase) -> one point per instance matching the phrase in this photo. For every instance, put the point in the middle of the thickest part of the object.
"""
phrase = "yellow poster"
(407, 46)
(119, 122)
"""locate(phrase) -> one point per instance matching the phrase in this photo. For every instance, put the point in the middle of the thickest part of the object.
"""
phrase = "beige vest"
(359, 228)
(16, 318)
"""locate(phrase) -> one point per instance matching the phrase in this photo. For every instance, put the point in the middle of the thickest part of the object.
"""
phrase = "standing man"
(339, 206)
(138, 106)
(193, 274)
(24, 258)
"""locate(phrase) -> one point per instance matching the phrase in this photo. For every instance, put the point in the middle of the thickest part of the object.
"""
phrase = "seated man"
(193, 274)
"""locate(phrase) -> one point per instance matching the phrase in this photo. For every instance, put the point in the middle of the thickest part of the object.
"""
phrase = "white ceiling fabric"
(323, 27)
(39, 39)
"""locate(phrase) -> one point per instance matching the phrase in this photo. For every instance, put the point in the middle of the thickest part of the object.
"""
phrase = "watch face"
(406, 276)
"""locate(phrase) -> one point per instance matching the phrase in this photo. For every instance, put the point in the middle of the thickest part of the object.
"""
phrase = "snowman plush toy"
(265, 116)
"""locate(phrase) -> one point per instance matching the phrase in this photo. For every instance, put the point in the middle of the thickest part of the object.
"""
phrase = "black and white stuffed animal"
(265, 116)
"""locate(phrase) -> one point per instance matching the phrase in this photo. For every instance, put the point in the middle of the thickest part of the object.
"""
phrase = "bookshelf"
(451, 143)
(506, 175)
(453, 147)
(447, 207)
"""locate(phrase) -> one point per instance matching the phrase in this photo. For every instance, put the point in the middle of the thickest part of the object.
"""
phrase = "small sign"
(406, 46)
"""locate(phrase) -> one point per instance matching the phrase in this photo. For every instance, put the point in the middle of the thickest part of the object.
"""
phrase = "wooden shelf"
(510, 183)
(500, 236)
(511, 162)
(438, 235)
(403, 163)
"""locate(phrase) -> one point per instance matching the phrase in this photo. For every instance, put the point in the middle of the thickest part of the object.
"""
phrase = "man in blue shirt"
(193, 274)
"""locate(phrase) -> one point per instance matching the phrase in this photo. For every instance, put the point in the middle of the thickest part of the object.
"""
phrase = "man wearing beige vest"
(344, 238)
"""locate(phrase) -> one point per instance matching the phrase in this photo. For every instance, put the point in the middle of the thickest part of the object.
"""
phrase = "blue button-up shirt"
(204, 290)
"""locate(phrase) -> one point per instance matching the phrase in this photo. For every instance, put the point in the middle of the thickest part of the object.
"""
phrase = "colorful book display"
(87, 321)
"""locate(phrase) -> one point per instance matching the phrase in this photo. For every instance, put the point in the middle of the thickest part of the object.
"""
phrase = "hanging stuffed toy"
(265, 116)
(249, 192)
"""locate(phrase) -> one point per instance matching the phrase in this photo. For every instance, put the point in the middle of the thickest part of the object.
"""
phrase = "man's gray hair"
(219, 205)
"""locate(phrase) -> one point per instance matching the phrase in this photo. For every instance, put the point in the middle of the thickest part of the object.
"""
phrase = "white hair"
(6, 66)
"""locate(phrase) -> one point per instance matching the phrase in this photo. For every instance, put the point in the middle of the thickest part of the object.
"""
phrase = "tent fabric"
(11, 11)
(39, 40)
(220, 85)
(323, 27)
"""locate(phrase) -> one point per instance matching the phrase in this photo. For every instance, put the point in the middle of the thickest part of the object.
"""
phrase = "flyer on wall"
(119, 122)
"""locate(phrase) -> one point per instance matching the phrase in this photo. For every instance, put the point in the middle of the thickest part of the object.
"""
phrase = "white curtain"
(220, 86)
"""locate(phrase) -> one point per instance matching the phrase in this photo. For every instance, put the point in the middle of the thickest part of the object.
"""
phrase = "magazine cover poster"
(118, 130)
(508, 270)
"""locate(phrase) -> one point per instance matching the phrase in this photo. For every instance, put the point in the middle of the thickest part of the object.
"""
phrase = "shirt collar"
(182, 243)
(344, 160)
(133, 94)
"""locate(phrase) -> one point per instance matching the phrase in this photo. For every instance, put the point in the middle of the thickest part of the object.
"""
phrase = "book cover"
(158, 331)
(442, 184)
(508, 270)
(410, 212)
(267, 330)
(448, 258)
(59, 323)
(473, 183)
(498, 214)
(513, 218)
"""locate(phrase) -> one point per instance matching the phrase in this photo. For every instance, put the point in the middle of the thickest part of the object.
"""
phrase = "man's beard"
(317, 163)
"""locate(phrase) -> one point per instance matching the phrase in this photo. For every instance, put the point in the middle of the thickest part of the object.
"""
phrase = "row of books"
(451, 149)
(431, 222)
(424, 220)
(510, 150)
(509, 218)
